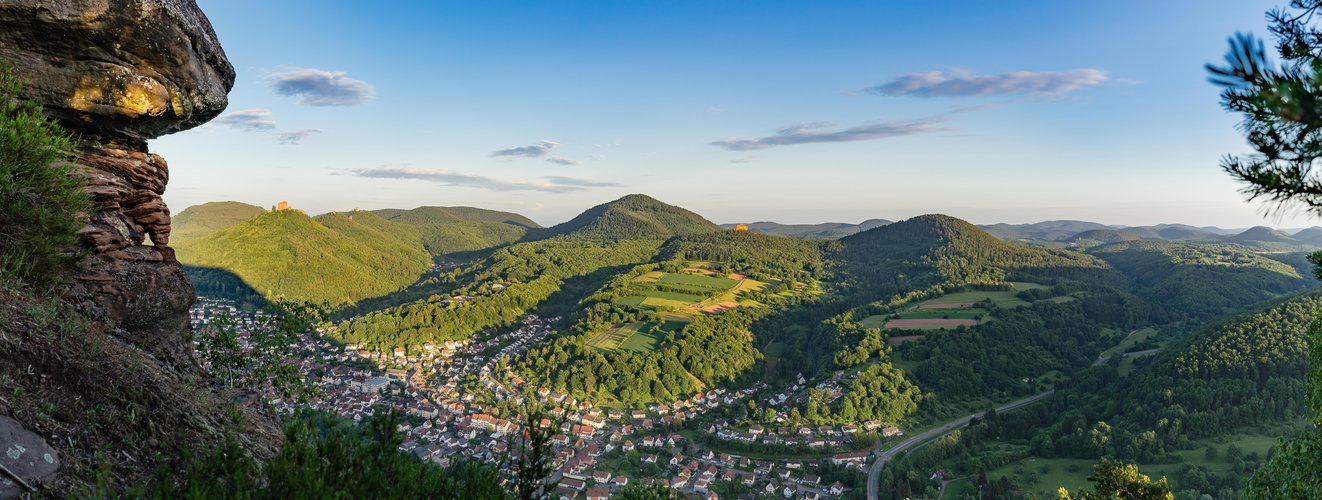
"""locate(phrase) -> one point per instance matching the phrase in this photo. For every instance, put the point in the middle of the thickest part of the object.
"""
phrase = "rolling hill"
(1262, 234)
(939, 249)
(1200, 281)
(631, 217)
(1310, 236)
(1047, 230)
(824, 231)
(422, 216)
(1105, 236)
(336, 258)
(200, 220)
(447, 230)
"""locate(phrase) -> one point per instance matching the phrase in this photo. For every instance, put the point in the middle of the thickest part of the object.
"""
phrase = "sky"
(794, 112)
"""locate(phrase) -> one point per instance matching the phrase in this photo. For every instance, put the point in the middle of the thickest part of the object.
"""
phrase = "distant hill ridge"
(824, 231)
(432, 215)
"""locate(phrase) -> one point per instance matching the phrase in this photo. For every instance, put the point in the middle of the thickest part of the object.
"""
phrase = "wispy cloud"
(540, 149)
(597, 157)
(570, 181)
(537, 150)
(820, 132)
(251, 120)
(562, 160)
(961, 83)
(314, 87)
(296, 136)
(473, 180)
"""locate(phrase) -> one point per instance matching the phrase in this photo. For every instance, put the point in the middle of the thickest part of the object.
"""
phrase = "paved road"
(875, 473)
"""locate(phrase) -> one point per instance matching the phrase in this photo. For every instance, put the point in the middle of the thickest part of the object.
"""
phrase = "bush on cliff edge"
(41, 203)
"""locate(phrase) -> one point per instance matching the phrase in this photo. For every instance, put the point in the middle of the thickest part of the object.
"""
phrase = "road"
(875, 472)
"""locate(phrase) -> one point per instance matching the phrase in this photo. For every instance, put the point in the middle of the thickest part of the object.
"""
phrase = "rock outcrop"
(116, 73)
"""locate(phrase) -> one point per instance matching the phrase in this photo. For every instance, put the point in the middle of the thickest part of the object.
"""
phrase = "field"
(678, 297)
(693, 288)
(703, 281)
(935, 323)
(720, 307)
(1133, 338)
(878, 321)
(939, 315)
(947, 305)
(633, 337)
(611, 339)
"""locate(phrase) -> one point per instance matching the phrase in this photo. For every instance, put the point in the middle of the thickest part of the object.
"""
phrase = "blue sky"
(741, 111)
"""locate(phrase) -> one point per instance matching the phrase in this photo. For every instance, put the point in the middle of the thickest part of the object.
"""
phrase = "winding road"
(875, 472)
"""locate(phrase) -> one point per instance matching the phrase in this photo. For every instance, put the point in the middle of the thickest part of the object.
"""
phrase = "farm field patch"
(705, 281)
(947, 305)
(611, 339)
(878, 321)
(939, 314)
(678, 297)
(933, 323)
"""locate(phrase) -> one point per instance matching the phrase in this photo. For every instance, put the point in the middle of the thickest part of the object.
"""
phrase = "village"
(460, 401)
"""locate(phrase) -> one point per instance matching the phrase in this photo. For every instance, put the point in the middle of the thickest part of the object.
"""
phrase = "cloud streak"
(540, 149)
(961, 83)
(314, 87)
(296, 136)
(478, 181)
(570, 181)
(808, 133)
(251, 120)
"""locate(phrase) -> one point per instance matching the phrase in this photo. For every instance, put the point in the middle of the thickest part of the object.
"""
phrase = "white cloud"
(315, 87)
(296, 136)
(818, 132)
(251, 120)
(479, 181)
(961, 83)
(540, 149)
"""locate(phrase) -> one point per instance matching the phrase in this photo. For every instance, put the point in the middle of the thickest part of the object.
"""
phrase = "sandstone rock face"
(117, 73)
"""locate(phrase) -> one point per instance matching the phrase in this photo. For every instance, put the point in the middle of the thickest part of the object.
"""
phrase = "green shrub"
(40, 201)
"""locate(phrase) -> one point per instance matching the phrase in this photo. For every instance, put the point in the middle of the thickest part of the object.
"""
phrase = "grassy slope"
(100, 401)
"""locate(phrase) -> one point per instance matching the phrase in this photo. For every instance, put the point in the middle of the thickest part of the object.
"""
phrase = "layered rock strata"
(116, 73)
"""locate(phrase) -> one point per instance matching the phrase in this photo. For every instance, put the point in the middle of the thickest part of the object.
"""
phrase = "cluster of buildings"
(434, 385)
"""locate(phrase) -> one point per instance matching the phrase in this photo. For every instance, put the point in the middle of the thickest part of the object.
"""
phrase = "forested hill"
(631, 217)
(432, 215)
(939, 249)
(337, 258)
(1200, 282)
(447, 230)
(200, 220)
(1246, 371)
